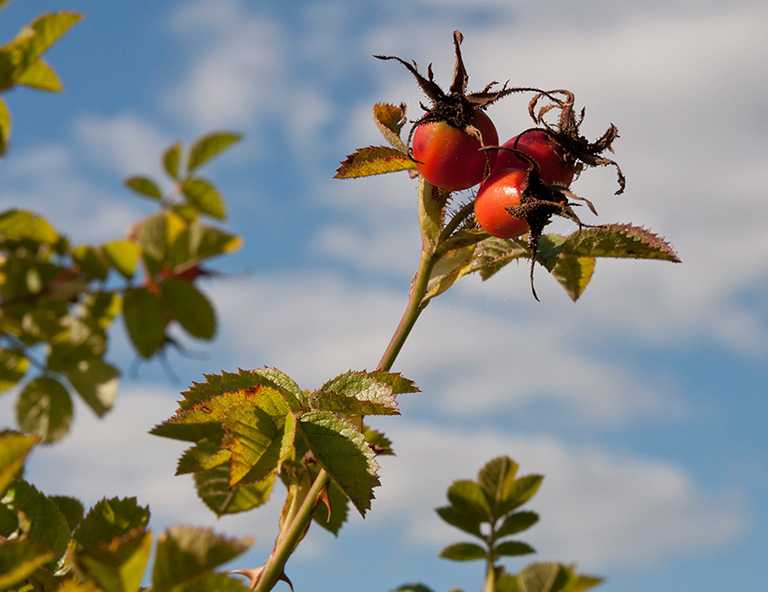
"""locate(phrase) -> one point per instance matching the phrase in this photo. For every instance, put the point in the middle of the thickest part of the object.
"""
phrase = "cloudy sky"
(644, 404)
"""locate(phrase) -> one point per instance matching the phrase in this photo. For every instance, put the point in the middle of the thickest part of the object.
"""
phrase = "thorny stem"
(295, 527)
(290, 538)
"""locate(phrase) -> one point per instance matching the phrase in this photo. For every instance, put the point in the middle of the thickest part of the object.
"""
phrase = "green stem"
(296, 526)
(289, 539)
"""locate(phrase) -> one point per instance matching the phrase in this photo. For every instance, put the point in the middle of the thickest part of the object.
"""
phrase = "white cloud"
(46, 179)
(600, 509)
(126, 143)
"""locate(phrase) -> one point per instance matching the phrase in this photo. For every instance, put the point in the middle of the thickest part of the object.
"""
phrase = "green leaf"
(5, 126)
(96, 382)
(205, 419)
(521, 491)
(463, 552)
(467, 497)
(448, 269)
(574, 274)
(341, 449)
(512, 549)
(13, 367)
(553, 577)
(461, 521)
(71, 508)
(17, 225)
(91, 261)
(256, 442)
(144, 186)
(123, 255)
(497, 478)
(171, 159)
(39, 75)
(19, 559)
(47, 525)
(432, 203)
(100, 308)
(413, 588)
(209, 146)
(517, 522)
(495, 253)
(390, 120)
(204, 455)
(373, 160)
(204, 197)
(356, 393)
(187, 552)
(144, 317)
(48, 28)
(118, 566)
(109, 519)
(14, 449)
(216, 384)
(44, 409)
(213, 488)
(618, 240)
(190, 308)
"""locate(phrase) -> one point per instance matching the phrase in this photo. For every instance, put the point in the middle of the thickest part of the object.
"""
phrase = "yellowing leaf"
(374, 160)
(123, 255)
(40, 75)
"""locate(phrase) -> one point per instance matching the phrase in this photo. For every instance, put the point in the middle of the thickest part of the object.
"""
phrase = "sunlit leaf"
(144, 186)
(204, 455)
(13, 367)
(373, 160)
(14, 449)
(574, 274)
(5, 126)
(96, 382)
(123, 255)
(255, 443)
(40, 76)
(496, 478)
(390, 120)
(19, 225)
(209, 146)
(44, 409)
(432, 204)
(19, 559)
(619, 240)
(110, 518)
(48, 28)
(204, 197)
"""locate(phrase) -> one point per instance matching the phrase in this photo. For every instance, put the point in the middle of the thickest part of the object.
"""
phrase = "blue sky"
(644, 404)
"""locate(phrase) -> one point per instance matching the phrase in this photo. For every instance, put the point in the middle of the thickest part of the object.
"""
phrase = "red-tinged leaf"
(341, 449)
(216, 384)
(390, 120)
(373, 160)
(463, 552)
(619, 240)
(205, 419)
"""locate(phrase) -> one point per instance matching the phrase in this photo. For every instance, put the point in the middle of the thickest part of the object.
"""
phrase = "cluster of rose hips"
(523, 182)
